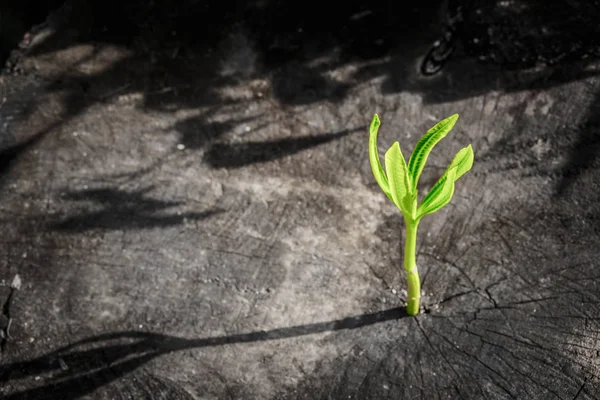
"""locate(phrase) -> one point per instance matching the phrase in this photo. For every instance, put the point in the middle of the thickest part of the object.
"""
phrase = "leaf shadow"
(237, 155)
(118, 209)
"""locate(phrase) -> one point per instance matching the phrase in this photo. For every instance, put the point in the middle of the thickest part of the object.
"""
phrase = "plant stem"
(410, 266)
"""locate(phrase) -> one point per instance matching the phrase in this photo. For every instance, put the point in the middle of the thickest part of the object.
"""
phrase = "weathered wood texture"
(197, 219)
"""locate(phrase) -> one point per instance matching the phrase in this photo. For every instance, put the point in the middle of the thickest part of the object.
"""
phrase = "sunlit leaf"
(439, 195)
(463, 161)
(376, 167)
(428, 141)
(397, 173)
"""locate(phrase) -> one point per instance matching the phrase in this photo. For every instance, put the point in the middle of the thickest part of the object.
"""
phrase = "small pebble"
(181, 146)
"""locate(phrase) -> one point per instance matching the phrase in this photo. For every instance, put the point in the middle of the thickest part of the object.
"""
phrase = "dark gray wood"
(193, 215)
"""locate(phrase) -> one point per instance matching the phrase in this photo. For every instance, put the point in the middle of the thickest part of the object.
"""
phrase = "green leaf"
(431, 138)
(374, 158)
(439, 195)
(397, 173)
(463, 161)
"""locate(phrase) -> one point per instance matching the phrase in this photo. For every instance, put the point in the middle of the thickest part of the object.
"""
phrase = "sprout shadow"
(123, 210)
(237, 155)
(82, 367)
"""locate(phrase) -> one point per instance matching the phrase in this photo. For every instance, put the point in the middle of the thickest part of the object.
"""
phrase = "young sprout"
(400, 186)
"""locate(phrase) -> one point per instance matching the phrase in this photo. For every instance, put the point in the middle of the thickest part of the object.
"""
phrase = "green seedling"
(399, 183)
